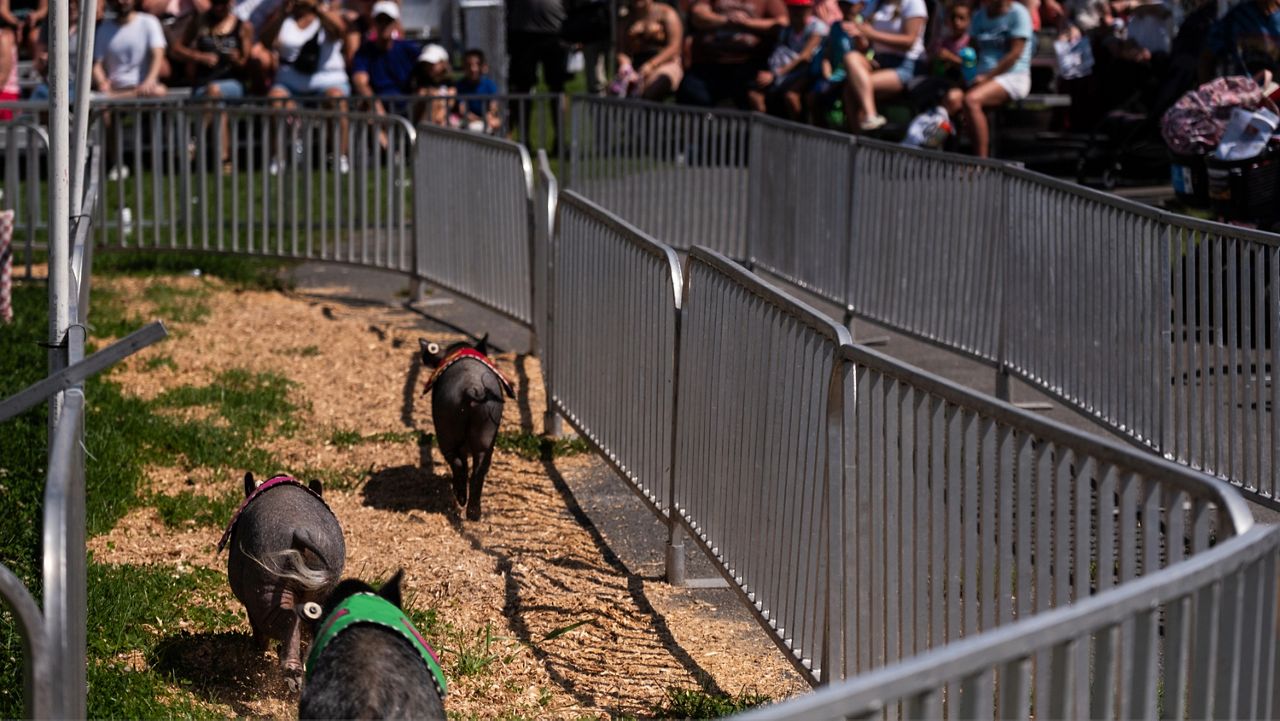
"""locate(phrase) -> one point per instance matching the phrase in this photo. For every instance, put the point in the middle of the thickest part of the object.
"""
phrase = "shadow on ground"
(409, 488)
(223, 667)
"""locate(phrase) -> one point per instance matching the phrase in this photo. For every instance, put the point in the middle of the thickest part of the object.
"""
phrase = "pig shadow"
(410, 488)
(522, 394)
(223, 667)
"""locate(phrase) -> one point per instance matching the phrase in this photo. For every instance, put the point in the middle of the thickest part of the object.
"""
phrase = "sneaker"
(118, 172)
(274, 168)
(344, 165)
(875, 122)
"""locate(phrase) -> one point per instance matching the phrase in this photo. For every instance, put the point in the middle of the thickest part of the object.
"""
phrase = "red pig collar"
(473, 354)
(262, 488)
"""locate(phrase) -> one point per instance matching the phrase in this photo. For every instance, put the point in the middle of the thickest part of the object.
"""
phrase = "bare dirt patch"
(535, 616)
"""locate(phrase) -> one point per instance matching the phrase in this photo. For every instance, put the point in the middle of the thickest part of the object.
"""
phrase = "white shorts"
(1017, 85)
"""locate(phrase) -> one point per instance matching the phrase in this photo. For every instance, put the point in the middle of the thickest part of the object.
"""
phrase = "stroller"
(1124, 141)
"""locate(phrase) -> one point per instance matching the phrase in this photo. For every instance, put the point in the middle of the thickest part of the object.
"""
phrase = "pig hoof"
(293, 683)
(473, 513)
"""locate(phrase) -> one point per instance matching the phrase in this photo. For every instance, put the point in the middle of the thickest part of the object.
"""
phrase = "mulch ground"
(529, 568)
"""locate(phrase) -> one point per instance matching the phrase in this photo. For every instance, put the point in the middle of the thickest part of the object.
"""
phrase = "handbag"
(308, 60)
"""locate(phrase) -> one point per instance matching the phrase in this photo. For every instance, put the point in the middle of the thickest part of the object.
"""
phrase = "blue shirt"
(1246, 40)
(483, 86)
(391, 71)
(992, 36)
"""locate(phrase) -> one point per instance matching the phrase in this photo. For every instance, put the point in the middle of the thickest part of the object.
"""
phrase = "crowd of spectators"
(829, 62)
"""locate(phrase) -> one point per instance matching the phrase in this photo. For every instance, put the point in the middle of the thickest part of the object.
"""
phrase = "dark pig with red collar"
(368, 660)
(467, 394)
(286, 550)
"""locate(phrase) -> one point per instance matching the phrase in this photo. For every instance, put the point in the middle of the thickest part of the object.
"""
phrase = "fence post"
(833, 520)
(675, 560)
(850, 224)
(1004, 218)
(547, 194)
(418, 175)
(755, 191)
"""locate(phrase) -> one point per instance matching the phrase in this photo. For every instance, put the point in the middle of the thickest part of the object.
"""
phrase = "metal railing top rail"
(1232, 505)
(873, 692)
(937, 155)
(35, 643)
(666, 107)
(628, 232)
(482, 139)
(810, 130)
(801, 311)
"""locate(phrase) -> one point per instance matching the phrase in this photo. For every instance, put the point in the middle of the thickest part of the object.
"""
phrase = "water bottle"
(968, 65)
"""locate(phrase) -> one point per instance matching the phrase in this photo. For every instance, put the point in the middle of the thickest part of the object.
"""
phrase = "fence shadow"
(223, 667)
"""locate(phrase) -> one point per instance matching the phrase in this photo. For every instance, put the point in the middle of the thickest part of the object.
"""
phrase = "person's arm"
(100, 77)
(150, 84)
(701, 17)
(912, 28)
(6, 14)
(360, 83)
(1008, 61)
(675, 42)
(240, 58)
(271, 28)
(183, 52)
(948, 57)
(331, 20)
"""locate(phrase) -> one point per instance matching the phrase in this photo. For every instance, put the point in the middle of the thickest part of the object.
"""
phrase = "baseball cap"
(433, 54)
(388, 8)
(799, 3)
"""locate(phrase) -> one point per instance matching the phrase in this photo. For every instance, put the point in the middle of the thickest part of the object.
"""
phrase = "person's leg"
(262, 68)
(695, 88)
(522, 76)
(662, 82)
(757, 87)
(279, 96)
(554, 57)
(986, 95)
(594, 56)
(334, 92)
(859, 94)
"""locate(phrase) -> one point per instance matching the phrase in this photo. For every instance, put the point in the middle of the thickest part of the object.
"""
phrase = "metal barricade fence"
(477, 193)
(752, 422)
(959, 514)
(926, 244)
(26, 160)
(801, 188)
(309, 184)
(615, 299)
(1219, 389)
(1088, 303)
(676, 173)
(1195, 640)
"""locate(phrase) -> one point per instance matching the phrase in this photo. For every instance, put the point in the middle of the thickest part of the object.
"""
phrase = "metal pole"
(59, 208)
(84, 71)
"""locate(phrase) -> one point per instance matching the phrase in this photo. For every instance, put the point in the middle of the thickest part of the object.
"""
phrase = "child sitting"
(789, 63)
(946, 46)
(827, 67)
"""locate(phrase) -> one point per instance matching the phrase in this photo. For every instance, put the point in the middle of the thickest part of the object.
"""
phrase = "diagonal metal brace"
(74, 374)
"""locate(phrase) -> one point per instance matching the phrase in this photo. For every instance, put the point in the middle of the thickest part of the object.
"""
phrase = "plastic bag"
(1247, 134)
(929, 129)
(1075, 58)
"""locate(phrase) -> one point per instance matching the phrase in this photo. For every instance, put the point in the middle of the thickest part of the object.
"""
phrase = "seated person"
(649, 52)
(732, 40)
(128, 53)
(23, 21)
(896, 34)
(478, 114)
(1001, 33)
(947, 45)
(176, 17)
(434, 82)
(789, 63)
(40, 60)
(359, 17)
(828, 65)
(262, 57)
(384, 64)
(307, 36)
(215, 49)
(1245, 41)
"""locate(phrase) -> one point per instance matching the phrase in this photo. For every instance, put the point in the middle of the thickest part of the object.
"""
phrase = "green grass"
(177, 510)
(160, 361)
(700, 704)
(306, 351)
(218, 425)
(347, 438)
(242, 272)
(533, 447)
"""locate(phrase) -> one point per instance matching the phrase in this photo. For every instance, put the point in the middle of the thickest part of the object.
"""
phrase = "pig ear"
(391, 589)
(430, 351)
(483, 346)
(316, 487)
(249, 484)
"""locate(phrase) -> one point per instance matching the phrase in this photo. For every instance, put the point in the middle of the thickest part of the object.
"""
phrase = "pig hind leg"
(477, 484)
(458, 465)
